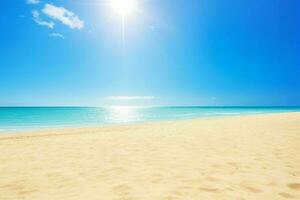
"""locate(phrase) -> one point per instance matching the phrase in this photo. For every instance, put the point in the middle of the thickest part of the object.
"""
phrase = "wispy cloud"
(33, 1)
(39, 21)
(58, 35)
(63, 15)
(129, 98)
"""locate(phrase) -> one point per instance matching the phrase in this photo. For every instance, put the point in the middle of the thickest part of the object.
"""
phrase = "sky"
(184, 52)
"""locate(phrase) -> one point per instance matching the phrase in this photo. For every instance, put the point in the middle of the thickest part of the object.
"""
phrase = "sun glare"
(124, 7)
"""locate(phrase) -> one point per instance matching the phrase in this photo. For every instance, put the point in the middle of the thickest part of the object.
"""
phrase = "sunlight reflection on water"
(121, 114)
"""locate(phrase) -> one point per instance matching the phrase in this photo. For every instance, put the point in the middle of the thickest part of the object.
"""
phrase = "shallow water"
(30, 118)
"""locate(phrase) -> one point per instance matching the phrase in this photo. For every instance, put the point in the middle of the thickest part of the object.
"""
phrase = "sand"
(235, 158)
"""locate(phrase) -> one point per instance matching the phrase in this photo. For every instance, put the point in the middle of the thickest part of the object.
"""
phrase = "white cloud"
(57, 35)
(63, 15)
(33, 1)
(39, 21)
(129, 98)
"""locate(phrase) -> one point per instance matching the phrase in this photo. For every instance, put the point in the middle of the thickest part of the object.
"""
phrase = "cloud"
(129, 98)
(39, 21)
(63, 15)
(33, 1)
(57, 35)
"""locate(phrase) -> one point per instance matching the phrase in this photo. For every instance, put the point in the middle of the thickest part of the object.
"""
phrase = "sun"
(124, 7)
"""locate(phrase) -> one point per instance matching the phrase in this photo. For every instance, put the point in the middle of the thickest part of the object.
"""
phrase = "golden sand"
(234, 158)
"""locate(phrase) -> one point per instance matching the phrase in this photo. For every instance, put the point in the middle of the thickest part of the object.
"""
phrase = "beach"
(253, 157)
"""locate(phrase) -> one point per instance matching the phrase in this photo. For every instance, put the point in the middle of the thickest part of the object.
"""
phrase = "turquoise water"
(30, 118)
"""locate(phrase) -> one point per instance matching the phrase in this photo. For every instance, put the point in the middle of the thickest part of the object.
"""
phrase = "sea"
(15, 119)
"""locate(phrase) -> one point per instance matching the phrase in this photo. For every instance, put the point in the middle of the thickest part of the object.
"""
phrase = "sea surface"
(14, 119)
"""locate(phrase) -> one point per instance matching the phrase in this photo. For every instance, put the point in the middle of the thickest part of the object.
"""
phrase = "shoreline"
(103, 126)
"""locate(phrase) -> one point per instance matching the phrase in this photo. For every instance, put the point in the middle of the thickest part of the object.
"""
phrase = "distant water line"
(14, 119)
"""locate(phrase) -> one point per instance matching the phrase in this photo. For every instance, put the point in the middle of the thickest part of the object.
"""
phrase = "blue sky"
(192, 52)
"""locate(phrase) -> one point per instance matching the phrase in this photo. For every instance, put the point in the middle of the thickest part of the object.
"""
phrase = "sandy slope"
(234, 158)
